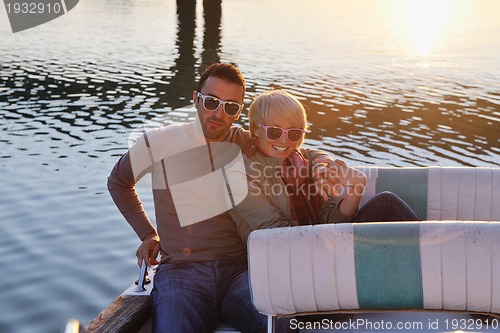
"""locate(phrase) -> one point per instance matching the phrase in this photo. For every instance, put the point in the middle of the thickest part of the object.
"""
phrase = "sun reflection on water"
(424, 26)
(427, 22)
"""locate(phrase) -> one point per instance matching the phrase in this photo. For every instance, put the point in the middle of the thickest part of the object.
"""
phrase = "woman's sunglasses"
(275, 133)
(211, 103)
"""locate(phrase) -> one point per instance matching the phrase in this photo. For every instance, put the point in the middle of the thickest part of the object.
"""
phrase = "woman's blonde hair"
(270, 108)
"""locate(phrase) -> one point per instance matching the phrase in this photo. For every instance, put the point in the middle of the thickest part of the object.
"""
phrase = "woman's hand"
(332, 175)
(148, 250)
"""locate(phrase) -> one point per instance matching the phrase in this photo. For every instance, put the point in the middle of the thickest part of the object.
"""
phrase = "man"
(202, 277)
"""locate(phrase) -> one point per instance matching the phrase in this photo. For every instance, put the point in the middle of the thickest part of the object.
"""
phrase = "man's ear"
(195, 98)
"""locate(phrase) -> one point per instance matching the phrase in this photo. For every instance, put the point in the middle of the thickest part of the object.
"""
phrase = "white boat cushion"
(423, 265)
(440, 193)
(463, 194)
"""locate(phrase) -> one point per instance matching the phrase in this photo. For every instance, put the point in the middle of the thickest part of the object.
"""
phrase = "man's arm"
(121, 186)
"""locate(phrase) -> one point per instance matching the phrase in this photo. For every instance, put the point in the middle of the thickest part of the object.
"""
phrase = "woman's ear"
(251, 129)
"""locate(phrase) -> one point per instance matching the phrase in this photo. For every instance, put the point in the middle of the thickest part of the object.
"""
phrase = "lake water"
(388, 82)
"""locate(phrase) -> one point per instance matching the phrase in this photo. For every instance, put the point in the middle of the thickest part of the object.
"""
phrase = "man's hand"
(149, 249)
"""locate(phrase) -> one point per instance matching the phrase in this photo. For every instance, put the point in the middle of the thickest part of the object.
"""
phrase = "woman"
(282, 189)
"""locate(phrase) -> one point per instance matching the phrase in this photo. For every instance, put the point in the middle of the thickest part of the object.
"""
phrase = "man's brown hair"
(223, 71)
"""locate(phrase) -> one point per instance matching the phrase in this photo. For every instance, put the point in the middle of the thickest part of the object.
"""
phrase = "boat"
(462, 202)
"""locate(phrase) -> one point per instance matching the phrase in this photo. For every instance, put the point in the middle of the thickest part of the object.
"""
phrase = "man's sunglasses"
(211, 103)
(275, 133)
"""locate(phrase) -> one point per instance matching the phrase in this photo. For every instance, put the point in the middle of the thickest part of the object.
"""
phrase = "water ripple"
(74, 92)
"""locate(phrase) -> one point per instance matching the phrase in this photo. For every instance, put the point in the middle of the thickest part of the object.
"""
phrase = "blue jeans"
(195, 296)
(385, 206)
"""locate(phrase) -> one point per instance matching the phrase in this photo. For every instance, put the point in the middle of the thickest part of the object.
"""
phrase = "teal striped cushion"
(387, 260)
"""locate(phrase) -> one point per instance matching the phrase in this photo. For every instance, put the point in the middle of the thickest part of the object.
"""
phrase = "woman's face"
(282, 147)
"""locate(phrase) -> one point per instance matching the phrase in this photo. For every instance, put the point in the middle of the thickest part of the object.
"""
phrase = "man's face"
(216, 123)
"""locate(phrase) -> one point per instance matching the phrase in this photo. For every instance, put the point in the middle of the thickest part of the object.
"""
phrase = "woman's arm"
(256, 211)
(336, 177)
